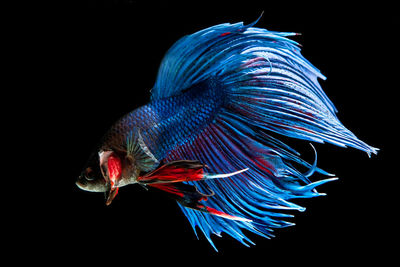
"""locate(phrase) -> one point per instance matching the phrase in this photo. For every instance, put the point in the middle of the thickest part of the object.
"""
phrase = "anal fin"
(190, 197)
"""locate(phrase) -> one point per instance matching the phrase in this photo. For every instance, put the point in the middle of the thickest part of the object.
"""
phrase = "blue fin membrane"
(269, 90)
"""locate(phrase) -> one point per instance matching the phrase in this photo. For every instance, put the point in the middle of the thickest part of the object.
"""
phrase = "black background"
(101, 59)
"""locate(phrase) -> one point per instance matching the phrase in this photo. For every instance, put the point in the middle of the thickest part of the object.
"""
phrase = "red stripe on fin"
(221, 214)
(225, 34)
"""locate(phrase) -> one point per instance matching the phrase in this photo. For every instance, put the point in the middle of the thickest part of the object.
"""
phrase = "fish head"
(92, 177)
(106, 172)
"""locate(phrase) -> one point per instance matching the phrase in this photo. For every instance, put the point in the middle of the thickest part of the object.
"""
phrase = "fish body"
(169, 122)
(209, 138)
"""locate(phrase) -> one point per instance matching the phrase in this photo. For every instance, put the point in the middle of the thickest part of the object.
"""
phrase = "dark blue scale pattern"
(171, 122)
(179, 119)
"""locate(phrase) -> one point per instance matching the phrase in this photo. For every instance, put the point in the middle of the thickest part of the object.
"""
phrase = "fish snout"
(81, 182)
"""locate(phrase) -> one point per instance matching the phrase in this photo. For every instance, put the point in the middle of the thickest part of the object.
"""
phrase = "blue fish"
(209, 138)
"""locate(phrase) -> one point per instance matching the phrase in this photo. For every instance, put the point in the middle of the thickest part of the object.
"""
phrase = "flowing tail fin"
(270, 88)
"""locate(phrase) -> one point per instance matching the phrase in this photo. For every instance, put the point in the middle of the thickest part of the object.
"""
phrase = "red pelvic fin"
(111, 195)
(114, 169)
(111, 168)
(174, 172)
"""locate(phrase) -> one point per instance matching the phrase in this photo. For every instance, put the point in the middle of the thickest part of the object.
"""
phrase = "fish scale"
(170, 122)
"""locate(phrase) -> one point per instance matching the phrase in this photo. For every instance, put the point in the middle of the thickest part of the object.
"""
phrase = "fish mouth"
(81, 183)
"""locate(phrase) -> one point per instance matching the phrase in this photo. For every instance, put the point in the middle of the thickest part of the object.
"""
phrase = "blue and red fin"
(268, 83)
(269, 90)
(189, 197)
(182, 171)
(186, 194)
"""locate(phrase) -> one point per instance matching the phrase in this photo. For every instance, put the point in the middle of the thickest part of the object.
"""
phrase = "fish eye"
(89, 174)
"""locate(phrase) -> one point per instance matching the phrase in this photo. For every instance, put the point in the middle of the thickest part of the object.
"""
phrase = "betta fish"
(210, 135)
